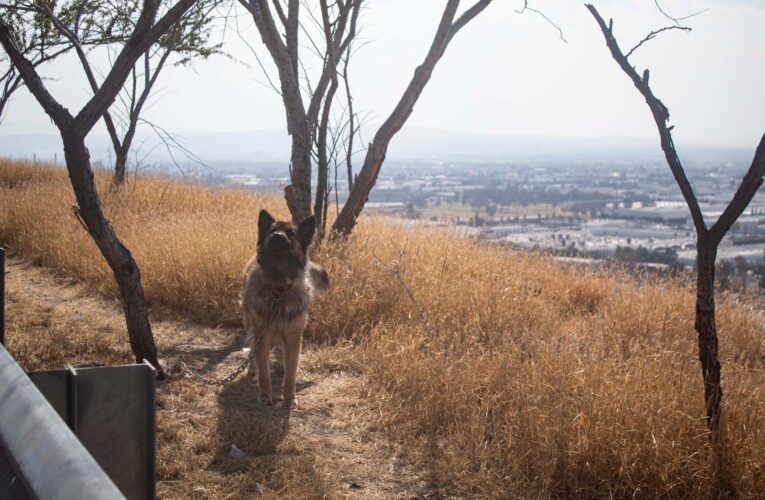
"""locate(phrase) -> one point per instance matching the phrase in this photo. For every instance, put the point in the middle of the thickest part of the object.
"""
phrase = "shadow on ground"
(246, 423)
(211, 356)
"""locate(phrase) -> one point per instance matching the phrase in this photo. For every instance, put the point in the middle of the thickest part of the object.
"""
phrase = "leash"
(180, 368)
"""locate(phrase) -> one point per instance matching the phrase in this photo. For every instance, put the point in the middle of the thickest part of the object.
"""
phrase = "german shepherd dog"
(278, 289)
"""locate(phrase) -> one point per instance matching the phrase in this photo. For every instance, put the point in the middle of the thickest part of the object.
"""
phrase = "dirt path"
(328, 447)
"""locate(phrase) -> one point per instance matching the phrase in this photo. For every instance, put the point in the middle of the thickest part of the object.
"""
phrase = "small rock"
(355, 486)
(200, 491)
(236, 453)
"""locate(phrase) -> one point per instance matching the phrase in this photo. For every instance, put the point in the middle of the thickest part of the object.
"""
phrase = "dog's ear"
(306, 230)
(265, 221)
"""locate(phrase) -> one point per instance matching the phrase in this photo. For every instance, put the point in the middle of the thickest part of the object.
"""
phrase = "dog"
(279, 285)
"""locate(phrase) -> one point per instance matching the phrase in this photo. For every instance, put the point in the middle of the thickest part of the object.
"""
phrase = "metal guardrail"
(79, 433)
(45, 454)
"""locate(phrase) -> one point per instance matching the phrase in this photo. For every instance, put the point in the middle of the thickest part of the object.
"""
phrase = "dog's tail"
(319, 276)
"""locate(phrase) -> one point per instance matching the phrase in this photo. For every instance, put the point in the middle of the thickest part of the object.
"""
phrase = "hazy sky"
(504, 73)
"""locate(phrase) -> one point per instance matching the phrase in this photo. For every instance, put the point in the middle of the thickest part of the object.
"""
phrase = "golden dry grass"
(528, 379)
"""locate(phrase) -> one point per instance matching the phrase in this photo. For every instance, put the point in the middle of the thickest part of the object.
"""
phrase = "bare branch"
(172, 143)
(744, 194)
(252, 50)
(338, 46)
(331, 55)
(314, 46)
(396, 268)
(290, 88)
(652, 35)
(677, 20)
(543, 16)
(351, 118)
(83, 58)
(660, 115)
(280, 12)
(59, 114)
(12, 80)
(291, 31)
(143, 37)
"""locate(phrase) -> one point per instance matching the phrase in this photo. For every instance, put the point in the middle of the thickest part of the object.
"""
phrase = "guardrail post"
(2, 295)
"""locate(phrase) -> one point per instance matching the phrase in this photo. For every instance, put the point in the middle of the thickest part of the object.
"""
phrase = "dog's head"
(283, 246)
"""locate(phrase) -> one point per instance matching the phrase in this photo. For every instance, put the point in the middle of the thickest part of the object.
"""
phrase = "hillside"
(505, 375)
(327, 448)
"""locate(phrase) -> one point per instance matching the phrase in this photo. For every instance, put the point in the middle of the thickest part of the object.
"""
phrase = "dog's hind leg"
(249, 330)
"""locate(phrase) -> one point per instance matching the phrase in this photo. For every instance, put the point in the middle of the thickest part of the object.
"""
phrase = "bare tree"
(146, 31)
(707, 239)
(187, 39)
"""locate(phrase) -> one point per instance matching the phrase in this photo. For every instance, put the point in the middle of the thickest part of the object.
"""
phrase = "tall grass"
(503, 374)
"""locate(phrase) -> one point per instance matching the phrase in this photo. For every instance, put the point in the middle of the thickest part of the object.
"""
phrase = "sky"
(504, 74)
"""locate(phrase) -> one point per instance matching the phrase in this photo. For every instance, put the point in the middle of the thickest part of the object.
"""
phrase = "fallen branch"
(396, 269)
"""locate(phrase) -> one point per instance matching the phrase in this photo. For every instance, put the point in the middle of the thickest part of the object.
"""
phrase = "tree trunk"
(707, 330)
(118, 257)
(120, 167)
(298, 193)
(321, 194)
(359, 195)
(723, 485)
(122, 149)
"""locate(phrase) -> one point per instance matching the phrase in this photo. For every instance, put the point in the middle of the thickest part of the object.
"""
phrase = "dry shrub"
(525, 378)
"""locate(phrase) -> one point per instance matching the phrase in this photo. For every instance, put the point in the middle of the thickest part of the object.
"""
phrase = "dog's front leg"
(292, 345)
(262, 361)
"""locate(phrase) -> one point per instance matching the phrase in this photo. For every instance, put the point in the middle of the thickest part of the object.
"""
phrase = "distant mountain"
(424, 143)
(259, 145)
(412, 143)
(445, 144)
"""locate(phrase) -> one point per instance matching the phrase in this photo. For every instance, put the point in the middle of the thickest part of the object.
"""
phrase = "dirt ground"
(219, 442)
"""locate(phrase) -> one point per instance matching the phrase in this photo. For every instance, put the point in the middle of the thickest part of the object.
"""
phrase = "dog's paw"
(266, 400)
(290, 404)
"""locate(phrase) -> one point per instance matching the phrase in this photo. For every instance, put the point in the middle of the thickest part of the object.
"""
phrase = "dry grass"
(530, 379)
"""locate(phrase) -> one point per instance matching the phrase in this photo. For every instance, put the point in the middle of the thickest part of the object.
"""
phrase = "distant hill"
(411, 143)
